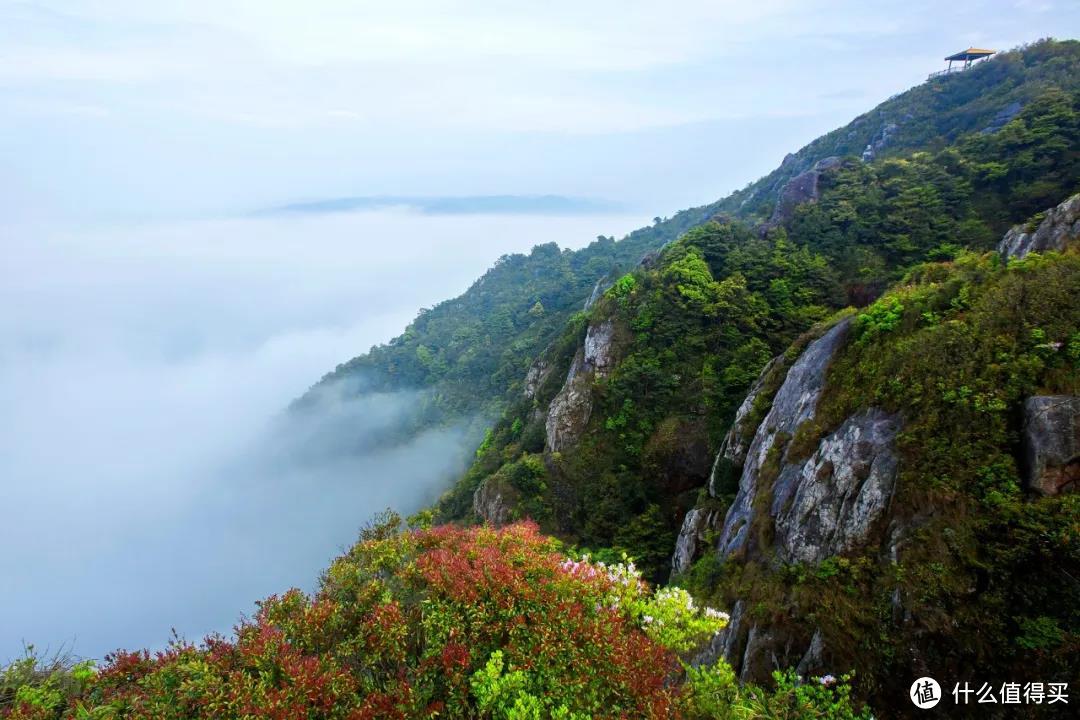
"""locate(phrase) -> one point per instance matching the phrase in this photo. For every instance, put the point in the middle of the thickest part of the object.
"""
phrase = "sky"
(130, 108)
(156, 322)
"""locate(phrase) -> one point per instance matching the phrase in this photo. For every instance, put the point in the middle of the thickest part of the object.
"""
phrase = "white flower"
(715, 614)
(827, 680)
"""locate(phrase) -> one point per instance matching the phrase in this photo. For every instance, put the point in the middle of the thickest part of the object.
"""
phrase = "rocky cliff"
(1052, 443)
(788, 508)
(816, 493)
(1057, 227)
(802, 188)
(861, 487)
(569, 412)
(793, 404)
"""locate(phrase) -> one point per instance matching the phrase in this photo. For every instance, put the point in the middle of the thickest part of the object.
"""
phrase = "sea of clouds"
(146, 479)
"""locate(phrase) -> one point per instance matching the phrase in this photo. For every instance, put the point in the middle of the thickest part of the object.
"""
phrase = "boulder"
(798, 190)
(493, 500)
(1059, 225)
(649, 259)
(1052, 443)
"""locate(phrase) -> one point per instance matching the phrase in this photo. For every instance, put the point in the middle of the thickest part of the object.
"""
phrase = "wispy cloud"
(232, 101)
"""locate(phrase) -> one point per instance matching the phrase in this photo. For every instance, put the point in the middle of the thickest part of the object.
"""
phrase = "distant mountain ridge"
(456, 205)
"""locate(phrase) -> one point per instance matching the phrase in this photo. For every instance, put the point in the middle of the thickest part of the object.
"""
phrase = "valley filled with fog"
(150, 481)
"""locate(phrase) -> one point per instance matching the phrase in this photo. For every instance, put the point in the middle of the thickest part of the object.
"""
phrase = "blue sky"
(132, 108)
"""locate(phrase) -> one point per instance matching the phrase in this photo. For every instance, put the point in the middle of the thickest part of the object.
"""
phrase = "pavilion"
(967, 57)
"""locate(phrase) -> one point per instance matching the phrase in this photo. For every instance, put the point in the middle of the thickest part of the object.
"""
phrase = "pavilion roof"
(971, 54)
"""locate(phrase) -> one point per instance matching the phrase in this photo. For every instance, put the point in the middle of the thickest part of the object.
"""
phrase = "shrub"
(439, 622)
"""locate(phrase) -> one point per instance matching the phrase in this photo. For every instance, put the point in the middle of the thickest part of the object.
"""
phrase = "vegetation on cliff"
(969, 573)
(467, 353)
(695, 327)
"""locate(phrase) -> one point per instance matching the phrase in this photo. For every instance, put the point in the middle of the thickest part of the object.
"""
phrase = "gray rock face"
(829, 503)
(737, 440)
(825, 504)
(538, 373)
(691, 539)
(800, 189)
(759, 659)
(598, 342)
(1060, 225)
(880, 141)
(828, 163)
(491, 502)
(570, 410)
(795, 402)
(599, 289)
(812, 661)
(649, 259)
(1052, 443)
(1002, 118)
(754, 650)
(727, 644)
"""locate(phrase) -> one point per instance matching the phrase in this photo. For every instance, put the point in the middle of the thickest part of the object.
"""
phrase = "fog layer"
(147, 478)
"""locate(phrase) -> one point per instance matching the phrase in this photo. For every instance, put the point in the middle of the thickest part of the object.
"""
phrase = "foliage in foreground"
(440, 622)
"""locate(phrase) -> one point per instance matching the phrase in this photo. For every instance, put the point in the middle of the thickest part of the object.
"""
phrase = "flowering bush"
(446, 622)
(671, 619)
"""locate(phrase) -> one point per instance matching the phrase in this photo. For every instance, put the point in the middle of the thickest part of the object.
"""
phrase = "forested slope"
(870, 503)
(469, 351)
(615, 454)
